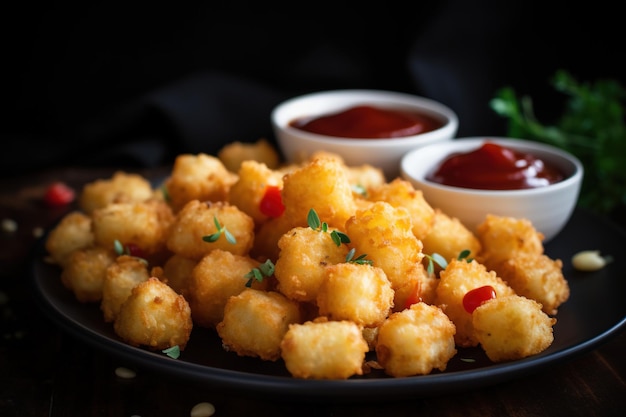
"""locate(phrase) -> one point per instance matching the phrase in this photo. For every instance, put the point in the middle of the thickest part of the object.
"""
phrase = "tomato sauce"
(494, 167)
(369, 122)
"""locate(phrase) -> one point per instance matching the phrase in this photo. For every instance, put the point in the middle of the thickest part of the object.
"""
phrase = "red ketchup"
(494, 167)
(368, 122)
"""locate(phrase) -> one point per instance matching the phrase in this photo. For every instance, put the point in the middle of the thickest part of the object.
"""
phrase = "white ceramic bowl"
(548, 208)
(386, 154)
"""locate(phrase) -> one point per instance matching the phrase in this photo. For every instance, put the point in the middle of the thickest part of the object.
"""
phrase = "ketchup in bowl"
(368, 122)
(495, 167)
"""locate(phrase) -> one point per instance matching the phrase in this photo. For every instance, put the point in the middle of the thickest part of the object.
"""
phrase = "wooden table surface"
(47, 372)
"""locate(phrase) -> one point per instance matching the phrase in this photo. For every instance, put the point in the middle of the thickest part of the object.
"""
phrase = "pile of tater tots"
(226, 243)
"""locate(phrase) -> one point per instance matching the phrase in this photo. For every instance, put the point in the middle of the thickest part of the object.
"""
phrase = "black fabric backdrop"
(98, 84)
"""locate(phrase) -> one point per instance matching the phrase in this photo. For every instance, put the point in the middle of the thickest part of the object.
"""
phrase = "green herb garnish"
(464, 254)
(359, 189)
(314, 222)
(266, 269)
(220, 229)
(166, 194)
(173, 352)
(358, 260)
(119, 248)
(436, 258)
(591, 126)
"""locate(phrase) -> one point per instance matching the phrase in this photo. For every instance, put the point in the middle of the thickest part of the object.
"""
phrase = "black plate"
(594, 312)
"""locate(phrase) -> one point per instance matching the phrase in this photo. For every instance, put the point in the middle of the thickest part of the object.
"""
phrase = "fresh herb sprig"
(221, 229)
(266, 269)
(436, 258)
(173, 352)
(314, 222)
(338, 237)
(359, 259)
(591, 126)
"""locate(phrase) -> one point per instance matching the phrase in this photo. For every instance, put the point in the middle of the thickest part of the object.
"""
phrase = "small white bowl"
(297, 144)
(548, 208)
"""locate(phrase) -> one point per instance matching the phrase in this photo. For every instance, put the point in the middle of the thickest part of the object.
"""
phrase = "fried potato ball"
(537, 277)
(234, 154)
(384, 233)
(255, 323)
(360, 177)
(365, 177)
(218, 276)
(71, 233)
(504, 237)
(198, 177)
(121, 276)
(177, 272)
(324, 349)
(154, 316)
(266, 238)
(321, 185)
(198, 219)
(512, 327)
(415, 341)
(145, 224)
(304, 255)
(249, 190)
(85, 272)
(456, 280)
(357, 292)
(121, 187)
(401, 193)
(449, 237)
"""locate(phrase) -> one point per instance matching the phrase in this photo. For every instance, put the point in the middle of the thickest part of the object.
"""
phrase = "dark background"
(94, 83)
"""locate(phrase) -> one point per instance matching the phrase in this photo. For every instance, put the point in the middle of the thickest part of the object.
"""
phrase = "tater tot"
(177, 272)
(357, 292)
(85, 272)
(512, 327)
(250, 188)
(234, 154)
(324, 349)
(365, 177)
(503, 237)
(456, 280)
(401, 193)
(321, 185)
(415, 341)
(121, 276)
(71, 233)
(537, 277)
(384, 233)
(449, 237)
(197, 220)
(304, 255)
(154, 316)
(255, 323)
(198, 177)
(218, 276)
(266, 238)
(121, 187)
(145, 224)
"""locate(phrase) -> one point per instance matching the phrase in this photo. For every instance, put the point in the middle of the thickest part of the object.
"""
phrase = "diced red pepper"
(271, 204)
(474, 298)
(414, 297)
(59, 194)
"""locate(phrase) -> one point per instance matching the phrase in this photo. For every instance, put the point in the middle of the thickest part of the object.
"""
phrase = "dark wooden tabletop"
(45, 371)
